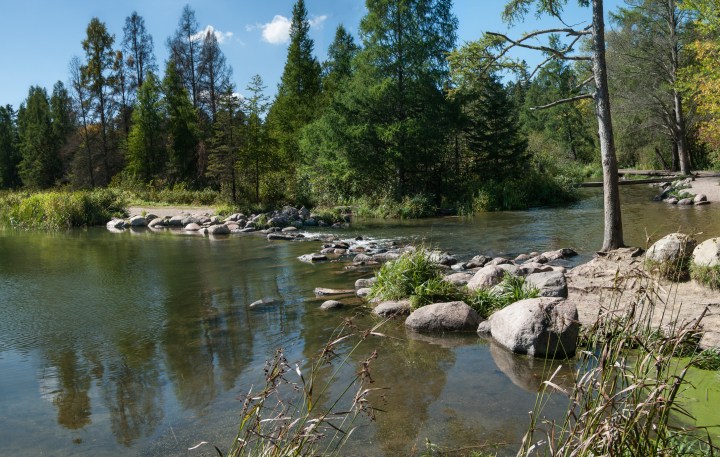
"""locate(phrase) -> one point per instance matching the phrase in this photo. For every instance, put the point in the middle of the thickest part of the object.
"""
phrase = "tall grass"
(58, 210)
(626, 396)
(295, 413)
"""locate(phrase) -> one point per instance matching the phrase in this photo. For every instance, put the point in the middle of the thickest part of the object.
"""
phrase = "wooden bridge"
(653, 176)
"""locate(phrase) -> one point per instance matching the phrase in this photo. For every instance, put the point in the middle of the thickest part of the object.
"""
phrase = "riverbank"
(710, 187)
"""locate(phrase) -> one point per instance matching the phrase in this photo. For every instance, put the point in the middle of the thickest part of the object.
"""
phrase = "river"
(143, 343)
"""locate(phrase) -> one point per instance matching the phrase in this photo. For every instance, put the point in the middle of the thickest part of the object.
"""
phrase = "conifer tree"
(298, 93)
(339, 67)
(256, 157)
(138, 50)
(225, 142)
(185, 47)
(84, 164)
(182, 128)
(9, 154)
(40, 166)
(213, 74)
(145, 151)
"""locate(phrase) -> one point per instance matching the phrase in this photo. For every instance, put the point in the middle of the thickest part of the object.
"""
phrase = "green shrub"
(435, 290)
(511, 289)
(57, 210)
(708, 276)
(385, 207)
(709, 359)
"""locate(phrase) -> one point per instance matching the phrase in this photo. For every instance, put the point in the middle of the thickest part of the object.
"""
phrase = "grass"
(707, 276)
(626, 394)
(294, 413)
(385, 207)
(511, 289)
(59, 210)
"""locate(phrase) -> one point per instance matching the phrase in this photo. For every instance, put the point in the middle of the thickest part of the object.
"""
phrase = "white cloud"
(317, 21)
(276, 31)
(222, 37)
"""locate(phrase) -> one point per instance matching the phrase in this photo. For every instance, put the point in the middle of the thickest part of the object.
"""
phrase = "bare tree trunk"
(613, 234)
(675, 155)
(680, 139)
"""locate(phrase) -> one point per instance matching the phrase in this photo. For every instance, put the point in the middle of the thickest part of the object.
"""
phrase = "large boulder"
(116, 223)
(218, 230)
(331, 304)
(138, 221)
(671, 248)
(365, 282)
(550, 283)
(707, 253)
(459, 279)
(541, 327)
(486, 277)
(453, 316)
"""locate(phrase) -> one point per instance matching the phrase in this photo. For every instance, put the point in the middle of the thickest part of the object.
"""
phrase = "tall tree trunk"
(675, 155)
(613, 234)
(680, 137)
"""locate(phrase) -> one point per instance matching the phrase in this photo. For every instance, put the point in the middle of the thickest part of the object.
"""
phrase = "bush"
(435, 290)
(57, 210)
(410, 207)
(511, 289)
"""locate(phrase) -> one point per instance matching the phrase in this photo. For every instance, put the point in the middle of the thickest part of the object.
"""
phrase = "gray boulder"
(486, 277)
(672, 200)
(331, 304)
(459, 279)
(442, 258)
(700, 198)
(157, 222)
(685, 201)
(453, 316)
(362, 258)
(138, 221)
(218, 230)
(478, 261)
(365, 282)
(363, 292)
(312, 258)
(550, 284)
(190, 220)
(499, 261)
(150, 217)
(671, 248)
(193, 227)
(323, 291)
(280, 237)
(115, 224)
(541, 327)
(392, 308)
(707, 253)
(278, 221)
(177, 221)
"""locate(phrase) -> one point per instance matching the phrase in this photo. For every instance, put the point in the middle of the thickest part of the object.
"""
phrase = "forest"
(402, 114)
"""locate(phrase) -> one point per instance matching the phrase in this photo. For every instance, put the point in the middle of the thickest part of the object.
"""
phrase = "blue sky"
(39, 37)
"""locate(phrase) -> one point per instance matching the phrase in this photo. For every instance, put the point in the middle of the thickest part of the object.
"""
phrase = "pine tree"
(182, 128)
(256, 158)
(138, 50)
(338, 69)
(40, 166)
(9, 154)
(185, 47)
(225, 142)
(84, 164)
(297, 99)
(97, 74)
(213, 74)
(145, 151)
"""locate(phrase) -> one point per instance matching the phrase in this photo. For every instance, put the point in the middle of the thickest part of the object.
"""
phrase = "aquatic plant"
(511, 289)
(399, 278)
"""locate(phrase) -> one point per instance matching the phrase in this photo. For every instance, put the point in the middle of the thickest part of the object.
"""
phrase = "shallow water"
(142, 343)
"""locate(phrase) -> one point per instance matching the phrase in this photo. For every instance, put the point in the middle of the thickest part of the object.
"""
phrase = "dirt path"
(620, 278)
(708, 186)
(163, 211)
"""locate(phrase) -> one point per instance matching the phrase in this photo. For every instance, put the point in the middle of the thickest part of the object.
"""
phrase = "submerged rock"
(331, 304)
(322, 291)
(392, 308)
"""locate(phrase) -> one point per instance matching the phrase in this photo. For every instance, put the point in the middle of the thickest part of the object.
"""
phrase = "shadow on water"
(142, 343)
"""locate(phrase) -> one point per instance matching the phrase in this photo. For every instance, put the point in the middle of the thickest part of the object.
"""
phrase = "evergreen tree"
(61, 114)
(97, 74)
(182, 128)
(138, 50)
(256, 156)
(338, 69)
(225, 142)
(40, 166)
(145, 152)
(83, 173)
(9, 154)
(214, 74)
(122, 94)
(298, 94)
(185, 47)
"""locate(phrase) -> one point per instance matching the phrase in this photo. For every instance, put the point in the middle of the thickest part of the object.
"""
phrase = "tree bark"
(613, 234)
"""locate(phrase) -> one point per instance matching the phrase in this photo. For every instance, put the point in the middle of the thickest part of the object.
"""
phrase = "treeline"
(387, 118)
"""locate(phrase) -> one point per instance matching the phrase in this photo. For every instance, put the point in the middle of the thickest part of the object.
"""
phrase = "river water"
(143, 343)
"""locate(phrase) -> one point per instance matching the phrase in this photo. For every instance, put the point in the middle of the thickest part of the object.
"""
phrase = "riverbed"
(144, 343)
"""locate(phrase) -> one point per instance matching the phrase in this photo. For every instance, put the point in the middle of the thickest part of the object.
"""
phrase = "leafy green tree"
(256, 156)
(182, 128)
(9, 154)
(298, 95)
(646, 53)
(40, 166)
(138, 50)
(565, 125)
(226, 142)
(145, 149)
(97, 74)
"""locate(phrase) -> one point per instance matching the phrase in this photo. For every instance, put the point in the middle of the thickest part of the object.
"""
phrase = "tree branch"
(562, 101)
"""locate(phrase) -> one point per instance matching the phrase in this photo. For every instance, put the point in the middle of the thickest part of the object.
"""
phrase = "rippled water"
(142, 343)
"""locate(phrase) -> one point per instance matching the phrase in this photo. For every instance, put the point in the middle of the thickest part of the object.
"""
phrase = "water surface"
(143, 343)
